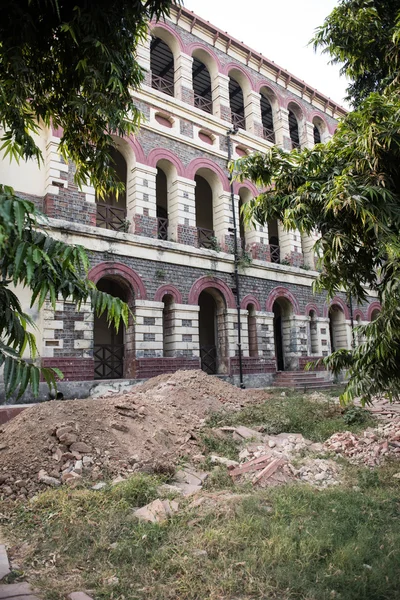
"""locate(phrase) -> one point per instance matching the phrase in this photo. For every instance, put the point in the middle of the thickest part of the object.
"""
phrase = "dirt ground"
(147, 427)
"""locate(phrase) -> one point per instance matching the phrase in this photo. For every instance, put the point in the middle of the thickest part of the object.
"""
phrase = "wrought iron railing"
(111, 217)
(203, 103)
(206, 238)
(295, 145)
(162, 228)
(238, 121)
(208, 359)
(275, 253)
(108, 361)
(269, 134)
(162, 85)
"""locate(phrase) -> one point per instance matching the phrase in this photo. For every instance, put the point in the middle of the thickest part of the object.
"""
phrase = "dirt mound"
(145, 428)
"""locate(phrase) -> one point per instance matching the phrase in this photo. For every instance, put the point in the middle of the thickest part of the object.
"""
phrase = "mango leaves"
(51, 270)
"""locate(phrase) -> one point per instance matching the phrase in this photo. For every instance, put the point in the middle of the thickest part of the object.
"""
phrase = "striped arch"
(282, 292)
(117, 269)
(168, 290)
(250, 299)
(211, 282)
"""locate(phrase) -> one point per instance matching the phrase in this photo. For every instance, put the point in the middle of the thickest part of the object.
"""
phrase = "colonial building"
(166, 246)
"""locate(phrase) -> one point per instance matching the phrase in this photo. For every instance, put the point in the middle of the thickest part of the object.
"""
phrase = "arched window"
(204, 213)
(236, 103)
(162, 204)
(317, 135)
(273, 238)
(202, 86)
(267, 118)
(213, 332)
(162, 66)
(252, 330)
(294, 130)
(111, 210)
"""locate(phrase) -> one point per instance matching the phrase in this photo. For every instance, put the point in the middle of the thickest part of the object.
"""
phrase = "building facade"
(166, 246)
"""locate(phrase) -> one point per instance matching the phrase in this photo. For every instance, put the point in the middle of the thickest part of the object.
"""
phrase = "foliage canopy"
(348, 192)
(71, 66)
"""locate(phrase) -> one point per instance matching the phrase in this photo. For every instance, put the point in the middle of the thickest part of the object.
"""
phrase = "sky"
(280, 30)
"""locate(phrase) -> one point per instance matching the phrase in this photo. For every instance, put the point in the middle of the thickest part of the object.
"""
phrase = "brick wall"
(73, 368)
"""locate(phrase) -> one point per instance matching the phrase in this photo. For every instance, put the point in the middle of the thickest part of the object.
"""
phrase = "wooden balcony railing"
(275, 253)
(108, 361)
(162, 85)
(111, 217)
(238, 121)
(206, 238)
(162, 228)
(203, 103)
(269, 134)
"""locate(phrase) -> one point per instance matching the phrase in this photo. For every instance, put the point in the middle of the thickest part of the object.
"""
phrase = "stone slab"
(79, 596)
(4, 564)
(17, 591)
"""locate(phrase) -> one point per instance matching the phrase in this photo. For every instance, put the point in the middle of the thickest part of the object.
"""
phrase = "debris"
(43, 477)
(79, 596)
(221, 460)
(99, 486)
(157, 511)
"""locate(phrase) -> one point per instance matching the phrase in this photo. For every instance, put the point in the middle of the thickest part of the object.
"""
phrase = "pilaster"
(252, 111)
(221, 105)
(141, 200)
(184, 78)
(148, 328)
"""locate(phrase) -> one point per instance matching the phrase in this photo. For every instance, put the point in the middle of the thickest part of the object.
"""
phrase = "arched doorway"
(337, 328)
(313, 332)
(168, 325)
(283, 312)
(113, 349)
(212, 332)
(252, 330)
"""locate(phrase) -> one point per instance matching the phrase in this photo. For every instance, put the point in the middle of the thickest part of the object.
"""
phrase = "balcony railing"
(275, 254)
(162, 85)
(162, 228)
(295, 145)
(206, 238)
(108, 361)
(269, 134)
(111, 217)
(203, 103)
(238, 121)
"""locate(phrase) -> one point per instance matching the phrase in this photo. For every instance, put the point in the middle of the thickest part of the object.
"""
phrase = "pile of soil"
(146, 428)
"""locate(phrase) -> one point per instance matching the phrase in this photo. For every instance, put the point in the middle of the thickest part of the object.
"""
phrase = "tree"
(348, 191)
(70, 65)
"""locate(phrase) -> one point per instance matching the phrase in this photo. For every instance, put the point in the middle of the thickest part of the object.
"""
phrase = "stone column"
(265, 334)
(184, 78)
(290, 247)
(308, 135)
(282, 134)
(307, 245)
(223, 220)
(220, 95)
(148, 328)
(257, 242)
(185, 337)
(324, 340)
(252, 111)
(141, 201)
(143, 58)
(182, 212)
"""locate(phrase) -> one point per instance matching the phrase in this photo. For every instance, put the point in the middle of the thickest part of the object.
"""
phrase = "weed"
(295, 414)
(213, 444)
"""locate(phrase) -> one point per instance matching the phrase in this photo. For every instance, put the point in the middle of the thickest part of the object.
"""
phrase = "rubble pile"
(278, 459)
(372, 447)
(145, 428)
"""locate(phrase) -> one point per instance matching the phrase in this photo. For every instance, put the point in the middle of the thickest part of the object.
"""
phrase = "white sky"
(280, 30)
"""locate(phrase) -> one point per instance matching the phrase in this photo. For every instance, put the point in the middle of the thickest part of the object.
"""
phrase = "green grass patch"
(288, 543)
(296, 413)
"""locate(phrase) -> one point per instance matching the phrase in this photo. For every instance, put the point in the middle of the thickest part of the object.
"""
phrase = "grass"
(297, 413)
(289, 543)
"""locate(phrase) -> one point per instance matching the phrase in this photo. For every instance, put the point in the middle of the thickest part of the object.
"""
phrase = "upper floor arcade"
(225, 83)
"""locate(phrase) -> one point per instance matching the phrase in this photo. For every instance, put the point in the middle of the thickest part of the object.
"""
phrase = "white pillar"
(252, 111)
(141, 200)
(148, 337)
(282, 134)
(184, 78)
(220, 95)
(182, 211)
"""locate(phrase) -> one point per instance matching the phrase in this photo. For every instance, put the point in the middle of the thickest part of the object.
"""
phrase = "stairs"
(302, 380)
